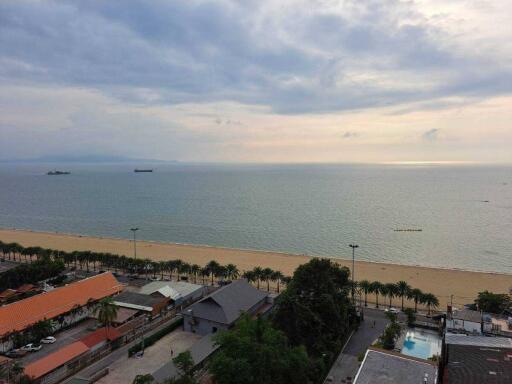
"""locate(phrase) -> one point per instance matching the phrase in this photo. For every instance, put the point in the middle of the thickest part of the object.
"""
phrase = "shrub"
(148, 341)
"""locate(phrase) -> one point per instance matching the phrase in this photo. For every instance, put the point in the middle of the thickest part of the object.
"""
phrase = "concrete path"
(346, 364)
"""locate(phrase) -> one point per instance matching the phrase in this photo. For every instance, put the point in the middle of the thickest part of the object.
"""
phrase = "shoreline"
(443, 282)
(245, 250)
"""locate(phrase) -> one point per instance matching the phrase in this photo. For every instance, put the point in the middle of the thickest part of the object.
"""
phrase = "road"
(346, 364)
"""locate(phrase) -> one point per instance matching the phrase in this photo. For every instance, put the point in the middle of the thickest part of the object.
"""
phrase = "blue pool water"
(421, 344)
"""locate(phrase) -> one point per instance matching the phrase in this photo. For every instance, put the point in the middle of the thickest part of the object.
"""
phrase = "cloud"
(293, 58)
(431, 134)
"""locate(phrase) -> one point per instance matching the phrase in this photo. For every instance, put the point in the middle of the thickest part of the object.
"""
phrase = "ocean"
(464, 212)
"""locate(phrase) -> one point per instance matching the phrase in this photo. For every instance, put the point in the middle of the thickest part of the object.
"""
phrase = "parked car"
(16, 353)
(392, 310)
(48, 340)
(31, 347)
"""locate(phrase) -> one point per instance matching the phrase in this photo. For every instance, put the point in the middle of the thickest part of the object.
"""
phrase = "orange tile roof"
(22, 314)
(100, 335)
(54, 360)
(25, 288)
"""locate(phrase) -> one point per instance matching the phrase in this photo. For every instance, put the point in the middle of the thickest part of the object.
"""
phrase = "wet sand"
(463, 285)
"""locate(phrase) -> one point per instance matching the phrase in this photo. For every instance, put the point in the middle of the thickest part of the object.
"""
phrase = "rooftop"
(225, 304)
(385, 367)
(478, 341)
(471, 364)
(22, 314)
(172, 289)
(137, 301)
(100, 335)
(54, 360)
(467, 315)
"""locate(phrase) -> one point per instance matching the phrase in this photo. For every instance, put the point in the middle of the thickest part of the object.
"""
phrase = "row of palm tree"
(95, 261)
(400, 290)
(267, 275)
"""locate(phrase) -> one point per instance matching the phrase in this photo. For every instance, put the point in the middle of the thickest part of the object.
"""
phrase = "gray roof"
(478, 341)
(136, 300)
(467, 315)
(392, 368)
(183, 288)
(199, 351)
(225, 304)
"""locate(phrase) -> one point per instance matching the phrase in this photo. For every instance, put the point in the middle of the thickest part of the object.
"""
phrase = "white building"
(466, 321)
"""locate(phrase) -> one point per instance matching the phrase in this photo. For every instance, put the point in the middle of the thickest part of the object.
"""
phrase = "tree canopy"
(493, 302)
(254, 352)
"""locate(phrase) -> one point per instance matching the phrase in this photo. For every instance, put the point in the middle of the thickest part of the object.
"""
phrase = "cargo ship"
(54, 173)
(142, 170)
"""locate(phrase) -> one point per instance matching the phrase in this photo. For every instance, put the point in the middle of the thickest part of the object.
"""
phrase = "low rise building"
(465, 321)
(221, 309)
(179, 292)
(57, 365)
(386, 367)
(145, 303)
(498, 325)
(477, 359)
(65, 306)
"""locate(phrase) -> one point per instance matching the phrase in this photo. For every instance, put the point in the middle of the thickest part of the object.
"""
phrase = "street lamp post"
(353, 246)
(134, 242)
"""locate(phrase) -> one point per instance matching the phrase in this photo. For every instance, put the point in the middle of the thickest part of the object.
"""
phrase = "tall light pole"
(353, 246)
(134, 242)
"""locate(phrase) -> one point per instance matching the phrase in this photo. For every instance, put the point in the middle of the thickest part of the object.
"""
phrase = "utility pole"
(353, 246)
(134, 242)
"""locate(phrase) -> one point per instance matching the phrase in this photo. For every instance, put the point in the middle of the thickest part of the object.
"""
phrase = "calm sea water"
(465, 212)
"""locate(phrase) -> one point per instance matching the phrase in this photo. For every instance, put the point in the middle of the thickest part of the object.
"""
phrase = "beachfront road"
(346, 364)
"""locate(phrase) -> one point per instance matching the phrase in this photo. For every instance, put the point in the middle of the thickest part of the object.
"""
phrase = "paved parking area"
(126, 368)
(6, 265)
(64, 338)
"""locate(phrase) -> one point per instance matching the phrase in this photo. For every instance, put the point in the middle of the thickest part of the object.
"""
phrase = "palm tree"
(417, 296)
(391, 291)
(249, 276)
(204, 272)
(106, 311)
(266, 274)
(232, 272)
(376, 287)
(194, 270)
(258, 271)
(365, 285)
(430, 301)
(402, 290)
(276, 277)
(213, 267)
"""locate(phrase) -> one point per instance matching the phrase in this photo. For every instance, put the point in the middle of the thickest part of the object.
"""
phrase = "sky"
(257, 81)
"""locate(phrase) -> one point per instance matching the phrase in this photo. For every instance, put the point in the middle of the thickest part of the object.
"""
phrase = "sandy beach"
(463, 285)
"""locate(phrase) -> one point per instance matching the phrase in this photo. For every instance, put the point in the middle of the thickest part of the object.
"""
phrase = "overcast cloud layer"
(256, 80)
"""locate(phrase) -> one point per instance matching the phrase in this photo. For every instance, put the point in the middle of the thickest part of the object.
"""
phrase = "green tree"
(391, 332)
(184, 363)
(430, 300)
(365, 286)
(254, 352)
(402, 289)
(376, 287)
(106, 311)
(391, 291)
(493, 302)
(144, 379)
(315, 310)
(411, 316)
(417, 295)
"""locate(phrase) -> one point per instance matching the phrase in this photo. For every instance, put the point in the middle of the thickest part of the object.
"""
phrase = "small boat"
(54, 173)
(142, 170)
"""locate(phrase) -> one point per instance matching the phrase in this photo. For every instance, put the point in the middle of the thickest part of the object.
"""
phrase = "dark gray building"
(386, 367)
(222, 308)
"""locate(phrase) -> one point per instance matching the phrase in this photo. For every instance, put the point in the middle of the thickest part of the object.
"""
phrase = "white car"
(392, 310)
(31, 347)
(48, 340)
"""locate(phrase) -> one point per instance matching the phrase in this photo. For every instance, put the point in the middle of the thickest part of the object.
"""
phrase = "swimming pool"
(422, 344)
